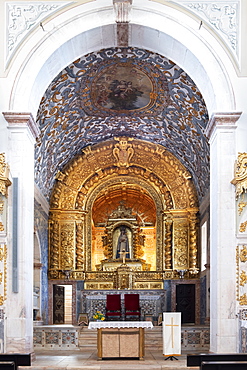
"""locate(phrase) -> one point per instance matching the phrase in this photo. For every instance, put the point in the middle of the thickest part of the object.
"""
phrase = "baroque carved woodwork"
(241, 274)
(131, 183)
(240, 182)
(4, 173)
(3, 273)
(240, 175)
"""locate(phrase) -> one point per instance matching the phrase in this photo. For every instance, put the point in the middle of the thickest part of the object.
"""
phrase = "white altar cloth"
(119, 324)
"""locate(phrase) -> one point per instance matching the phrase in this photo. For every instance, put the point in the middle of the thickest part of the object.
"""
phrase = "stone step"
(153, 338)
(110, 367)
(193, 338)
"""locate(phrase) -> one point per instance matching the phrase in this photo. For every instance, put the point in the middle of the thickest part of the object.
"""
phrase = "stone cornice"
(22, 119)
(221, 119)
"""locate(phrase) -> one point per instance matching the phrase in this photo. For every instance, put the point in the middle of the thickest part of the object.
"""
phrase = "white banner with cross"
(171, 333)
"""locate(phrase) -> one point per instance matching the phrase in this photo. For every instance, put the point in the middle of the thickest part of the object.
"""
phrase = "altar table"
(116, 339)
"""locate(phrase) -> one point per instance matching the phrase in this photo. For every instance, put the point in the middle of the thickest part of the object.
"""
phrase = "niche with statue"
(123, 242)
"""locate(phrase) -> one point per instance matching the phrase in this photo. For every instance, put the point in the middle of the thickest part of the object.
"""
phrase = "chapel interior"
(131, 171)
(125, 185)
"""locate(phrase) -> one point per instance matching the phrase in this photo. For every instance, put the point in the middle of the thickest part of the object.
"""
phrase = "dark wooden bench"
(19, 359)
(197, 359)
(7, 365)
(224, 365)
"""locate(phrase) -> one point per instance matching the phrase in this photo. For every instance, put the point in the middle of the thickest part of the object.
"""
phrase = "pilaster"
(223, 323)
(22, 132)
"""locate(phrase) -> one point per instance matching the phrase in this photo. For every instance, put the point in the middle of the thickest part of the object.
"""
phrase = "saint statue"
(123, 244)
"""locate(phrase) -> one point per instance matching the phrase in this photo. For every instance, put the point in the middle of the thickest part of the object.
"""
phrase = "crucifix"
(172, 326)
(123, 254)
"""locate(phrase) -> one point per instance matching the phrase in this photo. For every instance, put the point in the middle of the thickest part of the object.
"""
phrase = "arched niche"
(91, 178)
(130, 189)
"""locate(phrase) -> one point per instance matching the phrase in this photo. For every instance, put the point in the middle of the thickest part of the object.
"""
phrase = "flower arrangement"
(99, 316)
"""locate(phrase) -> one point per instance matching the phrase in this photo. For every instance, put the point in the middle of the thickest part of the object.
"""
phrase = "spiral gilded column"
(193, 261)
(54, 245)
(79, 247)
(168, 243)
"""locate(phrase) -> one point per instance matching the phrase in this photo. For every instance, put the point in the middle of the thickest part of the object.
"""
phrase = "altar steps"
(153, 338)
(194, 338)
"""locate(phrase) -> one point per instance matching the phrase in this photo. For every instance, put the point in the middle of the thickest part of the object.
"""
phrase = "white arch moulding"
(153, 26)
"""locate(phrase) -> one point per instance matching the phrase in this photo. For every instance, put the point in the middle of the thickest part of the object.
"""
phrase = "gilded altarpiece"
(160, 197)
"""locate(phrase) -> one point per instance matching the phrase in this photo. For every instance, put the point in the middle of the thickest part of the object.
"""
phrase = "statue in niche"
(123, 244)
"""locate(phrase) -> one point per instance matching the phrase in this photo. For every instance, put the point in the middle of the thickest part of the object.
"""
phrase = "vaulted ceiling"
(122, 92)
(140, 202)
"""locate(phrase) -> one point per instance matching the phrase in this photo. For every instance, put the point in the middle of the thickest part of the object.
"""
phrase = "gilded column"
(79, 246)
(193, 253)
(168, 243)
(54, 245)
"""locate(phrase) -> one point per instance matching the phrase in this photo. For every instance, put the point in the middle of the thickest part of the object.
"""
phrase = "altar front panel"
(120, 339)
(108, 343)
(120, 343)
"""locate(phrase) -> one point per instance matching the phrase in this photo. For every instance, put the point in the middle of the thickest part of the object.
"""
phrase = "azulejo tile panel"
(196, 338)
(68, 338)
(49, 337)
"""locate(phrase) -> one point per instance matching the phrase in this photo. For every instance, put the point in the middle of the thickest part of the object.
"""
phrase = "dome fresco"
(121, 92)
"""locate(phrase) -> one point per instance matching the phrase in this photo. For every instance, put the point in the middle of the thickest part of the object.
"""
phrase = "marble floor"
(86, 359)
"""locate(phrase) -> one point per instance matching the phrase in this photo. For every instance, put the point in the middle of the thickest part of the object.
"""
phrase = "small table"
(119, 339)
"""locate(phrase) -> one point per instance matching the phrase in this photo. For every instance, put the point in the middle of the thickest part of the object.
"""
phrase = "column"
(223, 323)
(22, 132)
(167, 226)
(193, 237)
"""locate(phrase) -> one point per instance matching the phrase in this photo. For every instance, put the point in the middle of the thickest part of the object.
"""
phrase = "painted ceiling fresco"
(122, 92)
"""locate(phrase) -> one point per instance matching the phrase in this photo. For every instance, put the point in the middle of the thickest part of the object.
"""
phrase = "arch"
(154, 26)
(154, 170)
(164, 172)
(158, 200)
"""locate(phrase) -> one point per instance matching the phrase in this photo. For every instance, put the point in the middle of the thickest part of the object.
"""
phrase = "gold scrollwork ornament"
(243, 254)
(241, 206)
(242, 227)
(243, 278)
(243, 300)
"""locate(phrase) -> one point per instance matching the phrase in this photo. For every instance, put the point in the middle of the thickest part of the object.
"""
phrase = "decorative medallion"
(124, 86)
